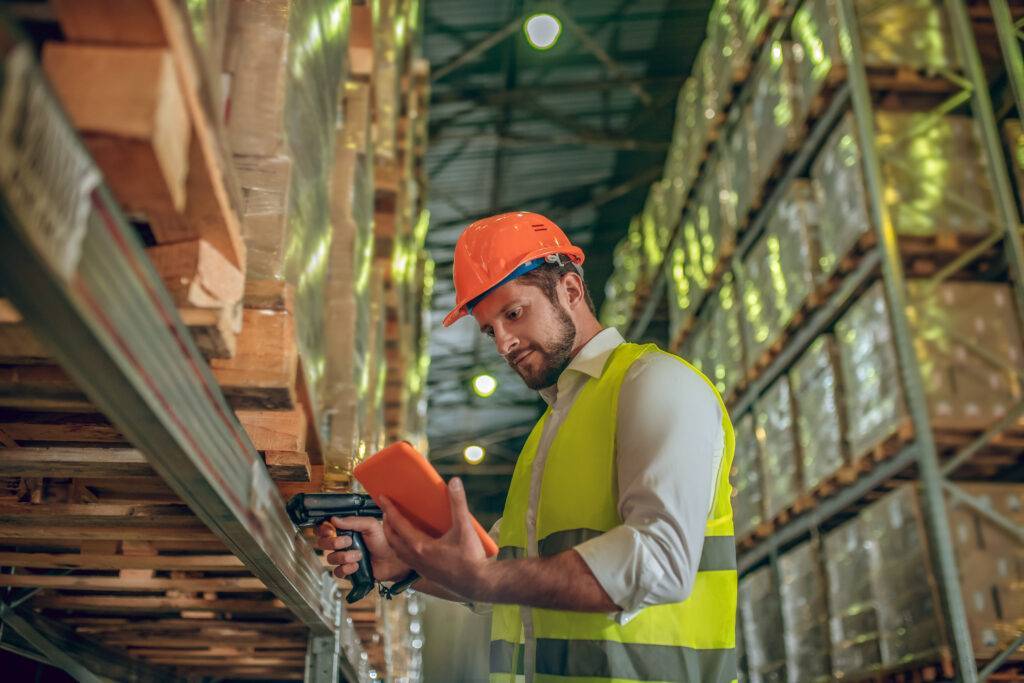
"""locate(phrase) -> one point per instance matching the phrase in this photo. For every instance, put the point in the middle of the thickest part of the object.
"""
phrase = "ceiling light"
(473, 454)
(542, 30)
(484, 385)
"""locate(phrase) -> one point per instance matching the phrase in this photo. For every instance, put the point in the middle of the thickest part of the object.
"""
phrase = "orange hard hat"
(495, 250)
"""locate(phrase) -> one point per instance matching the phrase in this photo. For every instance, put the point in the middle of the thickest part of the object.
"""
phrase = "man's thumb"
(457, 498)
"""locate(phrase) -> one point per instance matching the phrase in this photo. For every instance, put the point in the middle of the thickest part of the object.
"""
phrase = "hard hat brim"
(460, 310)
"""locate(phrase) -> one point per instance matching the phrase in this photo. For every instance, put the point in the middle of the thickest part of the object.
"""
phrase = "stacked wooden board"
(231, 137)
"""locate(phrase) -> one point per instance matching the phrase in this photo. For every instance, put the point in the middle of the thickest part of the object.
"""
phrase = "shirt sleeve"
(669, 447)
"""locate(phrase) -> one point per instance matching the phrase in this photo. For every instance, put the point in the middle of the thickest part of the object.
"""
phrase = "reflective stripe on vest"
(717, 554)
(693, 640)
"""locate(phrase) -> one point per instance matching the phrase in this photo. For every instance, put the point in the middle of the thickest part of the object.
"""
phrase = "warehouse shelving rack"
(919, 454)
(73, 267)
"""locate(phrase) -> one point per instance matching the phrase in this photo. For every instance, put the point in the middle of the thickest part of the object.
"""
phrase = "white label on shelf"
(46, 177)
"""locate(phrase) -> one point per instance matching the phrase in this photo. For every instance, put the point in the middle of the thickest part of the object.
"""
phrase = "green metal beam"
(943, 557)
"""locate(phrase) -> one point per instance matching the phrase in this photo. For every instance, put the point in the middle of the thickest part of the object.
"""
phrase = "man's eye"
(515, 313)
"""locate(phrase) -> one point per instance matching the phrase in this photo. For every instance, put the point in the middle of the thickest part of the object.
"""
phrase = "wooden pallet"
(888, 446)
(935, 667)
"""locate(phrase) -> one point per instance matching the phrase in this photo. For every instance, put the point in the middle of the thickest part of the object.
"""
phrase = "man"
(617, 560)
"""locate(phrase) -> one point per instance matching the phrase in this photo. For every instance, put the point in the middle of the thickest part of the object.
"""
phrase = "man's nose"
(505, 342)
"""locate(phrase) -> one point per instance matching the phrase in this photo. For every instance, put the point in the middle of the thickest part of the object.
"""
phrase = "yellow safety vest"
(689, 641)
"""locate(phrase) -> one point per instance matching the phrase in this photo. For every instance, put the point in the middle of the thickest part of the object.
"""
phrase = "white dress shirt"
(669, 445)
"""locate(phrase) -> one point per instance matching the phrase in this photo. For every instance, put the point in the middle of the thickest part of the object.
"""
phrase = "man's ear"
(572, 286)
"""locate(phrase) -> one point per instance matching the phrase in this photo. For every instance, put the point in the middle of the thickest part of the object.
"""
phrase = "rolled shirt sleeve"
(669, 447)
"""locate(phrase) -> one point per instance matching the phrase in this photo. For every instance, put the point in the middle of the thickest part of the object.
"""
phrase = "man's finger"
(361, 524)
(460, 509)
(344, 557)
(333, 542)
(326, 529)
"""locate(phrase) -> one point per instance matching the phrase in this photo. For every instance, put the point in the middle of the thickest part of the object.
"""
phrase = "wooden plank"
(263, 372)
(214, 200)
(17, 532)
(87, 514)
(140, 605)
(288, 466)
(119, 22)
(197, 275)
(276, 430)
(73, 462)
(119, 625)
(219, 662)
(116, 561)
(118, 583)
(18, 345)
(42, 387)
(269, 295)
(26, 427)
(245, 383)
(136, 125)
(213, 330)
(131, 639)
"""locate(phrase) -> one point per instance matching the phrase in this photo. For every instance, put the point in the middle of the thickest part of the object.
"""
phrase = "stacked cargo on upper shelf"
(817, 399)
(912, 34)
(347, 312)
(969, 350)
(760, 613)
(621, 288)
(748, 501)
(935, 182)
(779, 447)
(734, 29)
(804, 598)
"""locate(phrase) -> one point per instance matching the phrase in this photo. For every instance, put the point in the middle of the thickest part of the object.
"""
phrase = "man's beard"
(556, 355)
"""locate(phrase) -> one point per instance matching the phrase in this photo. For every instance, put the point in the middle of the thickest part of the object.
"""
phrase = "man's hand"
(456, 560)
(385, 563)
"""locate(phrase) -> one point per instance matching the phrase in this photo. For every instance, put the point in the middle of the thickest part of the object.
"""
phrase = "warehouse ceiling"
(577, 132)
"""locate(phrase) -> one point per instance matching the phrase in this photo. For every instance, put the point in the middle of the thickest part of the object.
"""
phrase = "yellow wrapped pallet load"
(913, 34)
(934, 175)
(761, 616)
(777, 109)
(733, 169)
(761, 278)
(852, 611)
(820, 419)
(317, 49)
(779, 447)
(748, 501)
(621, 289)
(804, 598)
(968, 343)
(678, 285)
(909, 622)
(872, 390)
(724, 318)
(347, 300)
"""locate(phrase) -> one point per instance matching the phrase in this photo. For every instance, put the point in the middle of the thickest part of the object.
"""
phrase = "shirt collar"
(590, 360)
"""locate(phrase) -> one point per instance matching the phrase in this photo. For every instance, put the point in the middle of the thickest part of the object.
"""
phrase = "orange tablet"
(412, 484)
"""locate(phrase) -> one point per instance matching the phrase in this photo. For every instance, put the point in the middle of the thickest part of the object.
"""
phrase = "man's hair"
(547, 276)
